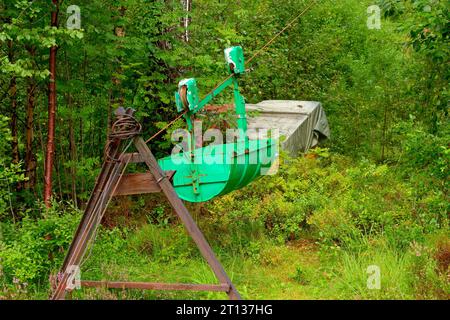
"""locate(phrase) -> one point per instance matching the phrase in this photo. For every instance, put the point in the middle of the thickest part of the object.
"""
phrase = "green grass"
(310, 232)
(296, 270)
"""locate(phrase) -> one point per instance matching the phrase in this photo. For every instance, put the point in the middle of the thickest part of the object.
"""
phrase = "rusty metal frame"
(110, 182)
(155, 286)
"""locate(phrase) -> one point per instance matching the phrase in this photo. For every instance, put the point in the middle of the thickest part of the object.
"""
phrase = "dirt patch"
(442, 256)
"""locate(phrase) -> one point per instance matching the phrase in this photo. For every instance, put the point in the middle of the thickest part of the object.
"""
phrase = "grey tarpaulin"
(304, 124)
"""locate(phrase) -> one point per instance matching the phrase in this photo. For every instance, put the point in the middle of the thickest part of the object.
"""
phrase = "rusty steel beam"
(99, 188)
(108, 184)
(88, 225)
(155, 286)
(180, 209)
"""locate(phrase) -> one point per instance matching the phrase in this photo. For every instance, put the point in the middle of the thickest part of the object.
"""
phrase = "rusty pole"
(50, 152)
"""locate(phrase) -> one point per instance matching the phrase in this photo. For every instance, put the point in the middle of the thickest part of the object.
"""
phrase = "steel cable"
(261, 50)
(124, 128)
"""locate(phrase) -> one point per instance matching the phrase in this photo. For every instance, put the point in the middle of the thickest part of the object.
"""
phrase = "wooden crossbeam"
(132, 158)
(139, 183)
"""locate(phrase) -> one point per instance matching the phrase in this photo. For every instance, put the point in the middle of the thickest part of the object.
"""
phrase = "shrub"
(32, 248)
(9, 173)
(341, 201)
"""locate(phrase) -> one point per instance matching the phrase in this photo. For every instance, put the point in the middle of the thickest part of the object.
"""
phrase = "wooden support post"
(183, 214)
(139, 183)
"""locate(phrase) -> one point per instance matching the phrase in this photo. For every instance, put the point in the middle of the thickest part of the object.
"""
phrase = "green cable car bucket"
(206, 172)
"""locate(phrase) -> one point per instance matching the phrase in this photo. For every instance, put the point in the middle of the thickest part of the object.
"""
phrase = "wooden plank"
(139, 183)
(155, 286)
(131, 158)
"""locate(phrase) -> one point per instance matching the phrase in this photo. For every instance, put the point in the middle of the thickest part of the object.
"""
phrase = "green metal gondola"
(206, 172)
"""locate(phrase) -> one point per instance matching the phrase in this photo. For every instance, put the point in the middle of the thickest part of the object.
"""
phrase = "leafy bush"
(430, 268)
(32, 248)
(9, 173)
(423, 152)
(338, 202)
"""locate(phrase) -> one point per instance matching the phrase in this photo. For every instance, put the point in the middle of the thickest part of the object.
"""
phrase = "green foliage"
(300, 276)
(162, 243)
(9, 172)
(429, 268)
(425, 153)
(426, 24)
(375, 194)
(32, 248)
(391, 8)
(339, 202)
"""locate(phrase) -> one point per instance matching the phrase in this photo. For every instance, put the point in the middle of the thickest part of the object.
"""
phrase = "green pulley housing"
(206, 172)
(187, 95)
(235, 59)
